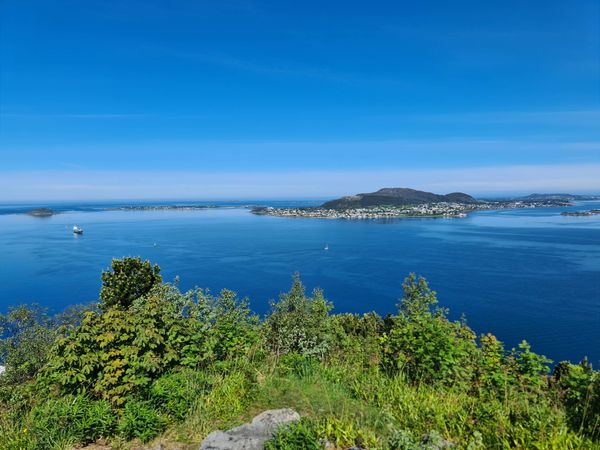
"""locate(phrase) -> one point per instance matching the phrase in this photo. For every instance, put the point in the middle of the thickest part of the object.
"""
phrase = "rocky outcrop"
(250, 436)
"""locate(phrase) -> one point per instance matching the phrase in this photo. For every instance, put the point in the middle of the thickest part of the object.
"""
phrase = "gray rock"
(250, 436)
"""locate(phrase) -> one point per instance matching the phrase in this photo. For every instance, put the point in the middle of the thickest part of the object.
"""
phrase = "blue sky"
(240, 99)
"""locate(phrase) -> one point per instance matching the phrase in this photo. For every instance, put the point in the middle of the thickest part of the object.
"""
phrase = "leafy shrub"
(357, 339)
(174, 393)
(15, 436)
(344, 434)
(71, 418)
(27, 333)
(579, 389)
(140, 420)
(298, 323)
(297, 364)
(433, 440)
(491, 371)
(423, 343)
(403, 440)
(233, 327)
(530, 366)
(301, 435)
(128, 280)
(117, 352)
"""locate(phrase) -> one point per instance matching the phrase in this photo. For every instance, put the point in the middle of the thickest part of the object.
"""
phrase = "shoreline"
(424, 210)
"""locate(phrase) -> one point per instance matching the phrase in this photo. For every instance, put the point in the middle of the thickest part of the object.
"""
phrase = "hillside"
(396, 196)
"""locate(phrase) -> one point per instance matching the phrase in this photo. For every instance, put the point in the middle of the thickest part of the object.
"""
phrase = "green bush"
(300, 435)
(297, 364)
(174, 393)
(128, 280)
(298, 323)
(578, 387)
(118, 352)
(345, 434)
(433, 440)
(71, 419)
(28, 333)
(140, 420)
(233, 327)
(422, 343)
(357, 339)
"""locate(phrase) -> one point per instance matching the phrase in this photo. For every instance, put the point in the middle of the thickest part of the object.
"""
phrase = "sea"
(521, 274)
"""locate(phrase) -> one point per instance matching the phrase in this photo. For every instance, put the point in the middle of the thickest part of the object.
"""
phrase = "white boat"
(77, 230)
(326, 246)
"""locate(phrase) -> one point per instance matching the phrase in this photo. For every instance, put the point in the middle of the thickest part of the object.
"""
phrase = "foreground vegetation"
(150, 361)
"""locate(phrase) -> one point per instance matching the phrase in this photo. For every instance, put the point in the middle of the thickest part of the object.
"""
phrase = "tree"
(423, 343)
(129, 279)
(298, 323)
(27, 335)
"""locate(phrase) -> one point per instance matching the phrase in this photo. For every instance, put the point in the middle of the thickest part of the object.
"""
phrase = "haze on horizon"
(250, 99)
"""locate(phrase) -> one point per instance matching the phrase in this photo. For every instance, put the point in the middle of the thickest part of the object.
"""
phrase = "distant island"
(560, 197)
(167, 207)
(41, 212)
(593, 212)
(406, 202)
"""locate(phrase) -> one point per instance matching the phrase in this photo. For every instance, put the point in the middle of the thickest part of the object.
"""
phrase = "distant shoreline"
(424, 210)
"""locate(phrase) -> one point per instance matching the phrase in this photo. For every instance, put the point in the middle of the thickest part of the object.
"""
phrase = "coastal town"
(434, 209)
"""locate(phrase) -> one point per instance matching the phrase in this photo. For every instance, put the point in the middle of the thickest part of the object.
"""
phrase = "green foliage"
(175, 393)
(298, 323)
(140, 420)
(578, 386)
(300, 435)
(422, 343)
(357, 339)
(345, 434)
(404, 440)
(152, 359)
(128, 280)
(27, 335)
(70, 419)
(530, 365)
(233, 326)
(492, 372)
(297, 364)
(116, 352)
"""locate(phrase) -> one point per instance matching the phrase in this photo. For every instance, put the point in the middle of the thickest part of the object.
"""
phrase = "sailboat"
(326, 247)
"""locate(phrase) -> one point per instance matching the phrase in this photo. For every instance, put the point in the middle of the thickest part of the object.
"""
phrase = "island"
(41, 212)
(593, 212)
(405, 202)
(167, 207)
(561, 197)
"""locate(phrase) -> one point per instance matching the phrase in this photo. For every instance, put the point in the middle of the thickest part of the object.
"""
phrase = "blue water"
(521, 274)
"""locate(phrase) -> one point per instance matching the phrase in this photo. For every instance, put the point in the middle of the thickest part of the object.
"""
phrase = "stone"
(253, 435)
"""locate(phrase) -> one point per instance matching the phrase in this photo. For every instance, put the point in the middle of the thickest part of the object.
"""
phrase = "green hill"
(396, 196)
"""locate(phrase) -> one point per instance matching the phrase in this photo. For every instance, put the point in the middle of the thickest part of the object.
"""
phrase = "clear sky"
(252, 99)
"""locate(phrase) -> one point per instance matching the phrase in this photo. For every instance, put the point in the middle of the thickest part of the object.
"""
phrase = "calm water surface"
(521, 274)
